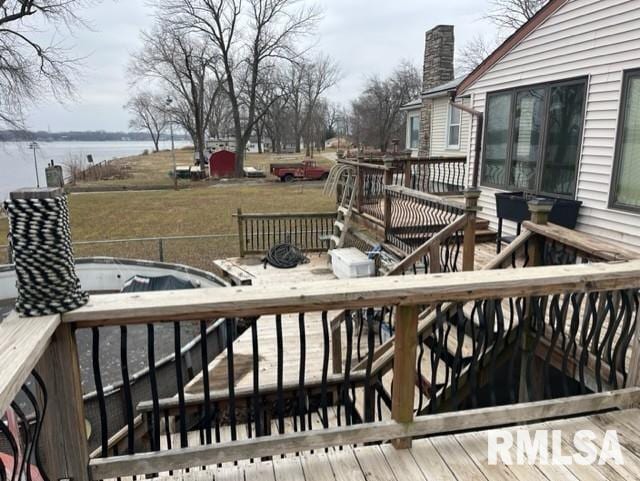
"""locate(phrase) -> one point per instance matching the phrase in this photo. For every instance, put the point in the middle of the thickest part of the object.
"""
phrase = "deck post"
(388, 180)
(359, 185)
(404, 369)
(471, 197)
(63, 438)
(240, 231)
(407, 173)
(540, 209)
(434, 259)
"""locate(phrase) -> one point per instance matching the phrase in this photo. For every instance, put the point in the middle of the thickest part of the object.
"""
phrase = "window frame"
(449, 145)
(583, 80)
(410, 118)
(627, 75)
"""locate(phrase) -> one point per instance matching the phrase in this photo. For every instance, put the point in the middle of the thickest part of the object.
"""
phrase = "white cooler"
(351, 263)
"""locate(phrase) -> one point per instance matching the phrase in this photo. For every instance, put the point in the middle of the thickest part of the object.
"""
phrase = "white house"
(433, 127)
(561, 103)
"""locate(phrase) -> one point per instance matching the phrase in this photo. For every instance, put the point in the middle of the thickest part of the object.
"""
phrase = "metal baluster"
(347, 368)
(231, 379)
(302, 366)
(126, 388)
(280, 368)
(177, 345)
(368, 394)
(97, 379)
(153, 382)
(204, 357)
(256, 378)
(421, 387)
(325, 370)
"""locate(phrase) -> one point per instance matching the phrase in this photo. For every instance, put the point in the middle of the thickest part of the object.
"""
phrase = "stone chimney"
(439, 49)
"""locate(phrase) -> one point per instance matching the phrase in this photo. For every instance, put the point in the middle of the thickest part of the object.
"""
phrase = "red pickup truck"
(305, 170)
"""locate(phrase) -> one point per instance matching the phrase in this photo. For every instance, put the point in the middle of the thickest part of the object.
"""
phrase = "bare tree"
(507, 15)
(377, 117)
(29, 69)
(512, 14)
(148, 111)
(247, 36)
(320, 75)
(183, 65)
(305, 81)
(471, 54)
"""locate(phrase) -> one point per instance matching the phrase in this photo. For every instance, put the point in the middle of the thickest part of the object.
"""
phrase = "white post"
(33, 146)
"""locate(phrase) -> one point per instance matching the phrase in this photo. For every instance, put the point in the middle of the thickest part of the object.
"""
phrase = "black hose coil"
(284, 256)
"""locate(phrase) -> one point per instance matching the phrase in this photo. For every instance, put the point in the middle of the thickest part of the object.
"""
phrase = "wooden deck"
(268, 354)
(461, 457)
(317, 269)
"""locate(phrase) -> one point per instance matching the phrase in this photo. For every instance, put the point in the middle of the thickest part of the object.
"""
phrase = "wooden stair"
(483, 232)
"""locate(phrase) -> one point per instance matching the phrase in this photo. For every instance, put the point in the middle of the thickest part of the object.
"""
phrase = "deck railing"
(432, 175)
(488, 337)
(436, 175)
(398, 199)
(258, 233)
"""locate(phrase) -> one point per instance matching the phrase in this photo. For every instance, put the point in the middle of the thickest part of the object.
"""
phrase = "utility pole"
(34, 146)
(169, 101)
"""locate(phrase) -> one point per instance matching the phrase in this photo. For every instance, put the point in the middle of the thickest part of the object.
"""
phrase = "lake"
(17, 164)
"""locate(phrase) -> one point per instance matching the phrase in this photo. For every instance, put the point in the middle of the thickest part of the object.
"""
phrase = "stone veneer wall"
(438, 69)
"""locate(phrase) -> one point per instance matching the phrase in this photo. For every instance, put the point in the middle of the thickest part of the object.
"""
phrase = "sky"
(365, 37)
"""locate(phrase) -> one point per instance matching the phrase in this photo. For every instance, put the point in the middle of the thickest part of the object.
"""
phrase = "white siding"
(439, 126)
(594, 38)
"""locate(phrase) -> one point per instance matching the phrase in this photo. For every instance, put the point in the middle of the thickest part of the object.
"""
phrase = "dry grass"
(121, 215)
(154, 169)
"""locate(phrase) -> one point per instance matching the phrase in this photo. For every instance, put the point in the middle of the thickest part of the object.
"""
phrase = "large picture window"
(532, 138)
(626, 184)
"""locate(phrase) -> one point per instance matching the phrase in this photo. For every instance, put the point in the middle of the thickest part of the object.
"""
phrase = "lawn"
(123, 215)
(153, 169)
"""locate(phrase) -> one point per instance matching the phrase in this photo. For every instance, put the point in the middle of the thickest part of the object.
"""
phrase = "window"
(626, 184)
(453, 128)
(533, 136)
(414, 132)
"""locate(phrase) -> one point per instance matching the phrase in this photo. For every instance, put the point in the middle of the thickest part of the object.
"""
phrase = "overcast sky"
(364, 36)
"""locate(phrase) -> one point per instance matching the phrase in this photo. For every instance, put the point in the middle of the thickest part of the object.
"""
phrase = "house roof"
(543, 14)
(438, 91)
(412, 105)
(442, 89)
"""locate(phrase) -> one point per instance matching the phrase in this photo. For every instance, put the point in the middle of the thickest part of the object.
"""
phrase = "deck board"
(461, 457)
(374, 464)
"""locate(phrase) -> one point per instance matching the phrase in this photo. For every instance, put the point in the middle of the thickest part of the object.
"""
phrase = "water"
(17, 167)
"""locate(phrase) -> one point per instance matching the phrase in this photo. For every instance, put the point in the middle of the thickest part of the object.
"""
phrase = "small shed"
(222, 163)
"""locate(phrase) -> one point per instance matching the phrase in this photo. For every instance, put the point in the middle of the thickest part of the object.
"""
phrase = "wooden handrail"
(23, 341)
(506, 254)
(365, 164)
(595, 246)
(424, 196)
(439, 159)
(285, 215)
(221, 395)
(425, 248)
(429, 425)
(120, 309)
